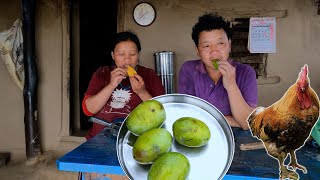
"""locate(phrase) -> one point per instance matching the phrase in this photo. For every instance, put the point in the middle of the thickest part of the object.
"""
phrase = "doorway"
(90, 49)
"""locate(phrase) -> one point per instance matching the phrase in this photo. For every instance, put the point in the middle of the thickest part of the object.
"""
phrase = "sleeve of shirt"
(250, 88)
(84, 107)
(95, 85)
(186, 84)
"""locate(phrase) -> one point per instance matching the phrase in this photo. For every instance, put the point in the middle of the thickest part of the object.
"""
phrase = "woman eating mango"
(114, 91)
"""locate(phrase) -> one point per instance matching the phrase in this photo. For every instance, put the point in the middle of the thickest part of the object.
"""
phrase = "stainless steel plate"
(211, 161)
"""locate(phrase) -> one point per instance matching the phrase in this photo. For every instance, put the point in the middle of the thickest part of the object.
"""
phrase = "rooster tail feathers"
(251, 117)
(252, 120)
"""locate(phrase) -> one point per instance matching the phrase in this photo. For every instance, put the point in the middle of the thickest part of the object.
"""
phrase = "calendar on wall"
(262, 35)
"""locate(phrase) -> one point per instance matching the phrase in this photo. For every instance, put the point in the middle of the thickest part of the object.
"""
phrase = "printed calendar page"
(262, 35)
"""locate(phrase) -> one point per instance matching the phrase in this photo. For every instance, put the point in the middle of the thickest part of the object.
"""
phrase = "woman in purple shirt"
(232, 87)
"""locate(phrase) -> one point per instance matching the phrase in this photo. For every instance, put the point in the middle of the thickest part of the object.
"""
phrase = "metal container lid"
(164, 52)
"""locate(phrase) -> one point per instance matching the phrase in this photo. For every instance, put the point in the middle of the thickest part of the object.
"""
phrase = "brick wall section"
(239, 51)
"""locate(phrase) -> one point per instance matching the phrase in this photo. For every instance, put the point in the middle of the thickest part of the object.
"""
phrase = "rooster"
(285, 126)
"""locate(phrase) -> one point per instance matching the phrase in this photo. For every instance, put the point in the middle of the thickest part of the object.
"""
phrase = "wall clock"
(144, 14)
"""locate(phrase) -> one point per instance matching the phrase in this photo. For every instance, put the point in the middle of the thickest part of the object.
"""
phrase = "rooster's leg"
(284, 172)
(294, 164)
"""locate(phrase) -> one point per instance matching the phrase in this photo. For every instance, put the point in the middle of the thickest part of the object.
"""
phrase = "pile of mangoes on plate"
(153, 145)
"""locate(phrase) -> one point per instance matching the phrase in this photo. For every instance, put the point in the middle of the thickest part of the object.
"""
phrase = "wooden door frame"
(65, 102)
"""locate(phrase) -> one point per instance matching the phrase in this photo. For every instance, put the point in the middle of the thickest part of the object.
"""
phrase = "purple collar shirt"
(194, 80)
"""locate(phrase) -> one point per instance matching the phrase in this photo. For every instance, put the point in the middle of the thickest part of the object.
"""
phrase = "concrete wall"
(49, 59)
(297, 36)
(298, 40)
(51, 47)
(11, 104)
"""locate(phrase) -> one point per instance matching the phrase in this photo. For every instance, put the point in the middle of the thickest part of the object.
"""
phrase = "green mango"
(191, 132)
(215, 64)
(147, 115)
(151, 144)
(170, 166)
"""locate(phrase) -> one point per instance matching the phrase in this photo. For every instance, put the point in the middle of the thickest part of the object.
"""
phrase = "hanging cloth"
(11, 51)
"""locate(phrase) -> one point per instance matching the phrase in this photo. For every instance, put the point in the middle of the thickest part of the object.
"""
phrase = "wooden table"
(99, 155)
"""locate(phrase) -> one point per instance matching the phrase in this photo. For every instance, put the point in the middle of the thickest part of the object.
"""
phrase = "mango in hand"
(147, 115)
(215, 64)
(131, 71)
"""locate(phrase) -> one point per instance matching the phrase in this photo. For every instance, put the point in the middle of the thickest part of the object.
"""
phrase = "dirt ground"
(45, 170)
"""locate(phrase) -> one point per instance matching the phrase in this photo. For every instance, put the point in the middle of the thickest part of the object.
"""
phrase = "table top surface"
(99, 155)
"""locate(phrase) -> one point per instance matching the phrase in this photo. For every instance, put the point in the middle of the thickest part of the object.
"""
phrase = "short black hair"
(125, 36)
(209, 22)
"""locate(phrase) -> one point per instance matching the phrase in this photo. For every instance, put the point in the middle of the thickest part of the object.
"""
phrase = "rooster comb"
(304, 73)
(305, 69)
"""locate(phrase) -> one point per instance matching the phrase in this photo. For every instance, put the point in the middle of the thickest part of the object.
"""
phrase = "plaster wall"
(297, 36)
(49, 60)
(11, 104)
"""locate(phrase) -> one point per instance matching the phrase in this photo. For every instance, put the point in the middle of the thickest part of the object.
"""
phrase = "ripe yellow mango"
(191, 132)
(170, 166)
(147, 115)
(131, 71)
(151, 145)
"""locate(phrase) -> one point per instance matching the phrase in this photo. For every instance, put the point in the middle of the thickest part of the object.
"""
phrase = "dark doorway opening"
(97, 23)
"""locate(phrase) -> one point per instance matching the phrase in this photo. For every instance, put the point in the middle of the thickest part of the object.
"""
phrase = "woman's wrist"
(144, 95)
(110, 87)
